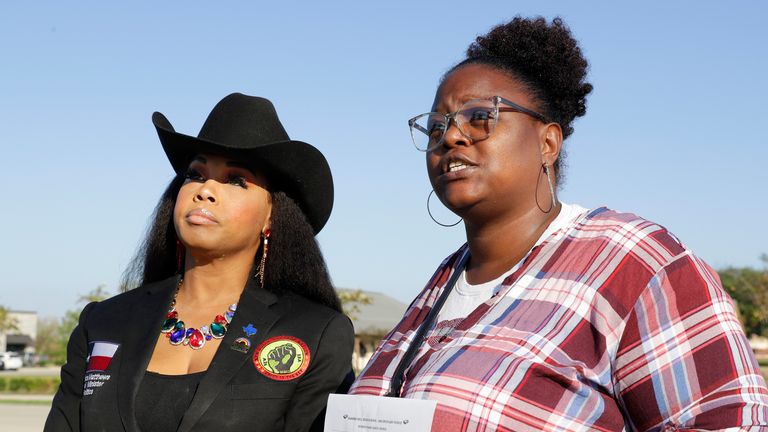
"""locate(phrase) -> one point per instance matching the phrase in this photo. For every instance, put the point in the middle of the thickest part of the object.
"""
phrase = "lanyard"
(396, 384)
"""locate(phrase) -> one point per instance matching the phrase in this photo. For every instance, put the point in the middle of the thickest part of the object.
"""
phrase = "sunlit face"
(491, 175)
(221, 208)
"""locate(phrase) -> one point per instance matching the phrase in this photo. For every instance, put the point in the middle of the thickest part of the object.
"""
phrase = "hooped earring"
(264, 250)
(553, 199)
(179, 256)
(433, 218)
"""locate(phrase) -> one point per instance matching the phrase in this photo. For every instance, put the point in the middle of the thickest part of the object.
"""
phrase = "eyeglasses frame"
(452, 116)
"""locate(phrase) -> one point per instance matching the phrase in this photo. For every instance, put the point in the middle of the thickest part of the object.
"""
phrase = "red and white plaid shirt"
(610, 324)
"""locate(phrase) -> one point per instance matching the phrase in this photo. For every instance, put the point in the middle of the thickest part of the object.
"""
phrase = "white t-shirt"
(466, 297)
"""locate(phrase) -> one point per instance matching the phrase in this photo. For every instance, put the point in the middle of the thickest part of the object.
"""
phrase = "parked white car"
(10, 361)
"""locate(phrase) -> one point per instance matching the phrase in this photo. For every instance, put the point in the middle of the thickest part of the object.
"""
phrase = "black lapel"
(141, 329)
(252, 308)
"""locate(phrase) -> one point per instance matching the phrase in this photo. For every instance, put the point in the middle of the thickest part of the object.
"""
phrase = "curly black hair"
(545, 58)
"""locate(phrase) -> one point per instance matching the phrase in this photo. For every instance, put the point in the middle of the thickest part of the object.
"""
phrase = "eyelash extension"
(239, 181)
(192, 175)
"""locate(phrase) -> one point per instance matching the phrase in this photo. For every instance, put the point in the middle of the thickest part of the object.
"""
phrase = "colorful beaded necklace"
(177, 334)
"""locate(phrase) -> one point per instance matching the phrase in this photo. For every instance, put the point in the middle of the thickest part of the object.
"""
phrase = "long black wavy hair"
(294, 263)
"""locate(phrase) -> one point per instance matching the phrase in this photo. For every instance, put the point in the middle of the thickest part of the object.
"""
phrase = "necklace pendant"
(179, 334)
(169, 324)
(188, 333)
(196, 339)
(218, 330)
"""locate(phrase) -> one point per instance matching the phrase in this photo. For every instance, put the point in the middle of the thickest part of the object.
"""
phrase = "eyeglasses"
(476, 120)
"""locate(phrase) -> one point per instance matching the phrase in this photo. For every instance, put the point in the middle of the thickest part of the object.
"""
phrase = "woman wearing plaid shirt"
(555, 317)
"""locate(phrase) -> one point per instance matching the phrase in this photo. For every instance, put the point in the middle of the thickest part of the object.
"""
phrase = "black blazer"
(233, 395)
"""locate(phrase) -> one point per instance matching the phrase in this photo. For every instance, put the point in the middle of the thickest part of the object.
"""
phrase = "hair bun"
(546, 57)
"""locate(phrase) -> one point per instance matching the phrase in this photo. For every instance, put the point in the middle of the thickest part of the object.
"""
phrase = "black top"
(163, 399)
(234, 395)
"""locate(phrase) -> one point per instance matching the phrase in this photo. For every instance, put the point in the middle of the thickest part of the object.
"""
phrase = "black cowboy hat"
(247, 127)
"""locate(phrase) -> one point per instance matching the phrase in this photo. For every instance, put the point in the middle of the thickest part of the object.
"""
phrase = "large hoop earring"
(553, 199)
(262, 265)
(433, 218)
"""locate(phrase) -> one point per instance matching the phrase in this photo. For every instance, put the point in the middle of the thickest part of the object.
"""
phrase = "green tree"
(95, 295)
(7, 322)
(48, 343)
(58, 350)
(351, 301)
(69, 321)
(749, 288)
(7, 325)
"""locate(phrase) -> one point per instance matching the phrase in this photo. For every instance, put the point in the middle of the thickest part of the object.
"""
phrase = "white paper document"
(352, 413)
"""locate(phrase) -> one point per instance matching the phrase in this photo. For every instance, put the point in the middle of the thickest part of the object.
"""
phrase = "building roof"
(19, 339)
(378, 317)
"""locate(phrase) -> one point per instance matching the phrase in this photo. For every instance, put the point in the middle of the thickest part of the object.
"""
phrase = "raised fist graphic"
(281, 358)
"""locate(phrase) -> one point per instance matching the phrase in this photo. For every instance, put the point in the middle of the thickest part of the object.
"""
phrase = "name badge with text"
(353, 413)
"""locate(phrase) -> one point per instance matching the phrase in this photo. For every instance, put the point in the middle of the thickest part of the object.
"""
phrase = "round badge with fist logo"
(282, 358)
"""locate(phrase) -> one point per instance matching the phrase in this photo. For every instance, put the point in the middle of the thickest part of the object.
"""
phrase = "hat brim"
(295, 167)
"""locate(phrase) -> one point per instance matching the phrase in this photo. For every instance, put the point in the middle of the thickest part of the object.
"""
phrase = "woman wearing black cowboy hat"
(235, 324)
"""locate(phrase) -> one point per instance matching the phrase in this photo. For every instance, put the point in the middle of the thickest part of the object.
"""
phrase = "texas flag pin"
(101, 355)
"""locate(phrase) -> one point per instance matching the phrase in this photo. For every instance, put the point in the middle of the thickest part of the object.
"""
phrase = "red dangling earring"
(179, 256)
(265, 249)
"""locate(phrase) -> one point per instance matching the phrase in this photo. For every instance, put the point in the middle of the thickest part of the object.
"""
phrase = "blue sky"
(674, 130)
